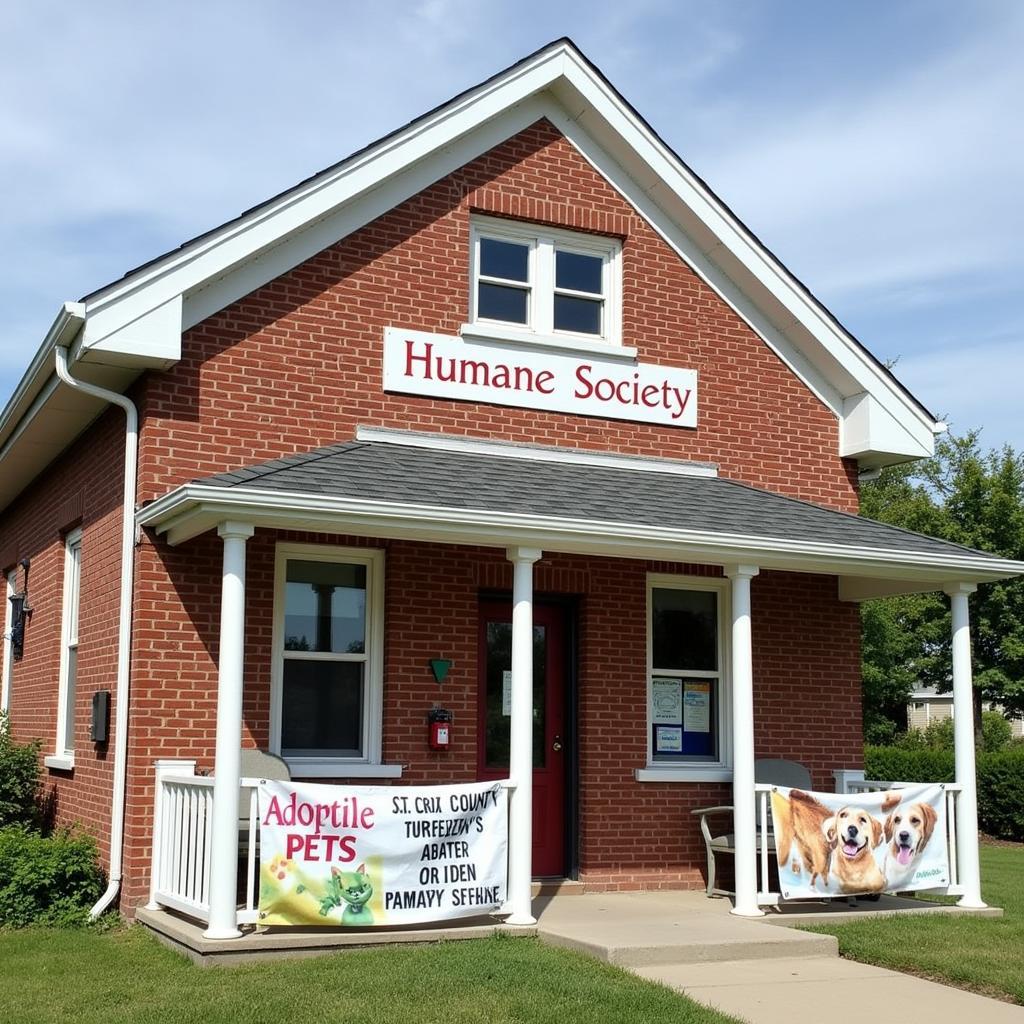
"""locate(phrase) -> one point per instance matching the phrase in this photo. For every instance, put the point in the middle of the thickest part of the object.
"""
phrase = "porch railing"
(766, 896)
(182, 841)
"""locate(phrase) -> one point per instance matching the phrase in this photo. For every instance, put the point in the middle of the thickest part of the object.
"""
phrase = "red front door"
(549, 767)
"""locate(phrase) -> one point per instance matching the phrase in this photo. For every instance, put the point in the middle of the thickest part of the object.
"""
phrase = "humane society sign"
(441, 366)
(362, 856)
(860, 843)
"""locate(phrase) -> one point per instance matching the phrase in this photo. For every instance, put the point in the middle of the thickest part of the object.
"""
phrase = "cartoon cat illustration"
(351, 889)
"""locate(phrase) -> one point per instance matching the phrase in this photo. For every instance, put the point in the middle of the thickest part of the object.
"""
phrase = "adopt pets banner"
(860, 843)
(360, 856)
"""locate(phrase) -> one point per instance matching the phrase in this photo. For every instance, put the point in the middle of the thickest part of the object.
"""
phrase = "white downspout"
(124, 630)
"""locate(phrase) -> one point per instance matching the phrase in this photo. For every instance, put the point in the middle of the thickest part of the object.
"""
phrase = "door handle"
(556, 744)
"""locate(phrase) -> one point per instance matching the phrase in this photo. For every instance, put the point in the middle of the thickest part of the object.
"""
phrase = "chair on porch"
(770, 771)
(257, 764)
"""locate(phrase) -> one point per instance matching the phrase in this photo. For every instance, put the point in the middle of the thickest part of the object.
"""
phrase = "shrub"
(19, 779)
(996, 731)
(899, 764)
(1000, 781)
(51, 880)
(996, 734)
(879, 732)
(1001, 793)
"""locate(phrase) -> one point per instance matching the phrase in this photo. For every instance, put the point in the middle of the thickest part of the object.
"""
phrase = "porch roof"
(616, 506)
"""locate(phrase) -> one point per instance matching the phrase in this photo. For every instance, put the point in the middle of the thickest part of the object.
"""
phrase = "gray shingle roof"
(387, 472)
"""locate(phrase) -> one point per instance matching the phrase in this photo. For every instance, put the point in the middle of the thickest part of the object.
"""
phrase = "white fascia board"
(193, 509)
(737, 240)
(212, 256)
(673, 234)
(284, 254)
(24, 402)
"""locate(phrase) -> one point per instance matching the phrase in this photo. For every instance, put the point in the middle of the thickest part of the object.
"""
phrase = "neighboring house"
(515, 355)
(927, 705)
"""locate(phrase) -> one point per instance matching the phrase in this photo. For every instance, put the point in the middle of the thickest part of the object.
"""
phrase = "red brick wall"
(82, 488)
(632, 834)
(297, 363)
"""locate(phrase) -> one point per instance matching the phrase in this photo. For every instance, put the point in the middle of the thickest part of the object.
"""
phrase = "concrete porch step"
(651, 928)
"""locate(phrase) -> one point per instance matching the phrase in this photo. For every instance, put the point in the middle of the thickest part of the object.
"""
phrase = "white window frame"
(8, 663)
(369, 765)
(63, 758)
(543, 243)
(719, 770)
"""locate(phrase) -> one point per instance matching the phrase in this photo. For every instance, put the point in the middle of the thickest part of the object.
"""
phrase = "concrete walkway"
(750, 969)
(814, 989)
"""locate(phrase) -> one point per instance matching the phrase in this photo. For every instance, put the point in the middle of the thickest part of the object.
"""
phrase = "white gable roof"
(136, 323)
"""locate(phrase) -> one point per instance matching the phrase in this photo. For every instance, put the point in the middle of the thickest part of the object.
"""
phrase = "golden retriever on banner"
(826, 844)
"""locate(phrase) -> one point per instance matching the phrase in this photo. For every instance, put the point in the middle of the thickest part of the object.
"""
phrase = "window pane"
(685, 629)
(497, 302)
(69, 701)
(580, 315)
(498, 722)
(325, 607)
(579, 273)
(322, 708)
(507, 260)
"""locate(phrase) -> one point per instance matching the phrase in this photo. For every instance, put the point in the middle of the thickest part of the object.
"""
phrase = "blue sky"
(876, 147)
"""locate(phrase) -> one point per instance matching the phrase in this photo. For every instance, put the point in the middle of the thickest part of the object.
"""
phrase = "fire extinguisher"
(439, 721)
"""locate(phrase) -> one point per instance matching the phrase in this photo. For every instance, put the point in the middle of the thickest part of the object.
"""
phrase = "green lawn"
(982, 954)
(125, 976)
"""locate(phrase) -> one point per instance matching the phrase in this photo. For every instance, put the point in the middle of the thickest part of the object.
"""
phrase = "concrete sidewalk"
(751, 968)
(810, 990)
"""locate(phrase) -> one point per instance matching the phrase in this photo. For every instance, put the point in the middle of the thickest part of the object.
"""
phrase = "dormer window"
(534, 283)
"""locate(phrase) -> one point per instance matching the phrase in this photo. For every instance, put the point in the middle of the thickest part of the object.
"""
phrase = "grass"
(125, 976)
(984, 955)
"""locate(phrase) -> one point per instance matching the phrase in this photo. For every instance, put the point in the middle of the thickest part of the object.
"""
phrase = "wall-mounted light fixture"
(20, 610)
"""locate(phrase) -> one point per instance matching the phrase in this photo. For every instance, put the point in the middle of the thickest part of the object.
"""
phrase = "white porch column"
(223, 923)
(743, 798)
(963, 745)
(520, 825)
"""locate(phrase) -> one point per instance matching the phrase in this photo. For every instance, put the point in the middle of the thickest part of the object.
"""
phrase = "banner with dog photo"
(831, 844)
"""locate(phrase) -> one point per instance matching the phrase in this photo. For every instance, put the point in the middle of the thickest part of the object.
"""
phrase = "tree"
(970, 497)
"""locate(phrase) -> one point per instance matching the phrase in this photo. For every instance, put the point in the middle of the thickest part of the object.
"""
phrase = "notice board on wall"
(682, 715)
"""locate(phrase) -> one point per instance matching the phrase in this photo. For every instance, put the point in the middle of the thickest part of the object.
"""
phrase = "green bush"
(996, 734)
(900, 764)
(1001, 793)
(50, 880)
(1000, 781)
(19, 779)
(996, 731)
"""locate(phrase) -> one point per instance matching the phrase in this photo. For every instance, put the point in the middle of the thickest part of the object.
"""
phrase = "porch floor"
(631, 929)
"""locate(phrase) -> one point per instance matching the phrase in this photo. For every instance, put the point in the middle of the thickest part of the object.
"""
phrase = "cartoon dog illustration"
(800, 822)
(907, 831)
(852, 835)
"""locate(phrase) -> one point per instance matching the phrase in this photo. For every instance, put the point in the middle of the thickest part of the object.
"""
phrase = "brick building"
(514, 356)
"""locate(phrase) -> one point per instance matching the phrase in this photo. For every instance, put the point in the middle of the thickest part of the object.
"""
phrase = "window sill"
(557, 342)
(684, 773)
(327, 768)
(59, 763)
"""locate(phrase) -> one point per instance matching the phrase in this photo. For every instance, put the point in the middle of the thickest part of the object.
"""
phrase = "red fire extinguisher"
(439, 721)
